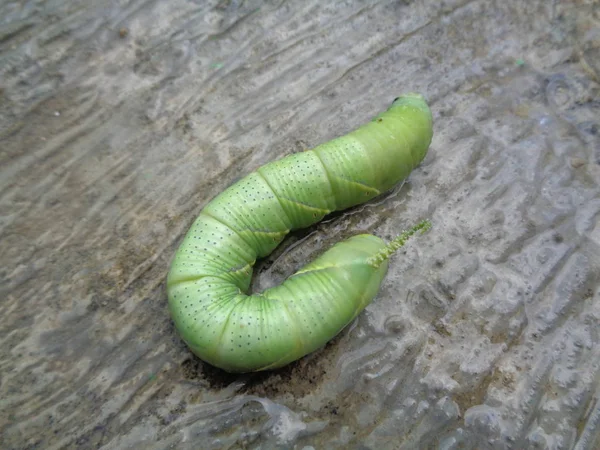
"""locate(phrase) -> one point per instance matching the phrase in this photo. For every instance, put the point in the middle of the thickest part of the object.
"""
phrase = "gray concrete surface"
(120, 119)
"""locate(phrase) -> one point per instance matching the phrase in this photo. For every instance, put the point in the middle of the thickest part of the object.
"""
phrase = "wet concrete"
(120, 120)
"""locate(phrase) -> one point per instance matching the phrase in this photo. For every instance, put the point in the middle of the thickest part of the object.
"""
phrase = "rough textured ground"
(120, 119)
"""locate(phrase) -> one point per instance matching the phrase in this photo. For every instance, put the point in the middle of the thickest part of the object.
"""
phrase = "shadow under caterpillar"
(212, 269)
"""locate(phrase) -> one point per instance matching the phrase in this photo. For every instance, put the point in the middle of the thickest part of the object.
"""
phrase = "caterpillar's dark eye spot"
(397, 98)
(380, 120)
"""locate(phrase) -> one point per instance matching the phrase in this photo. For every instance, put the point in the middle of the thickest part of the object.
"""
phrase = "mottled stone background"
(120, 119)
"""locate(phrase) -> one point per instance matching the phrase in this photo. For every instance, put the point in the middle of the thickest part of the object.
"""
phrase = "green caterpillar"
(212, 268)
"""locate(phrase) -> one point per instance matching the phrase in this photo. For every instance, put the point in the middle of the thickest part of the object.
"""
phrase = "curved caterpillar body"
(212, 268)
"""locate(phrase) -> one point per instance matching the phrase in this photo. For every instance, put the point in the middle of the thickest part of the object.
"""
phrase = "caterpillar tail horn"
(395, 244)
